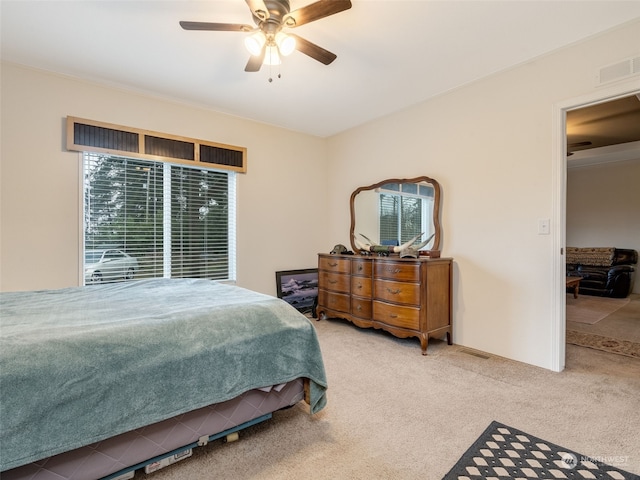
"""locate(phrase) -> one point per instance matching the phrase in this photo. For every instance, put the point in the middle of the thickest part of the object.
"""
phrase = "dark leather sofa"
(604, 272)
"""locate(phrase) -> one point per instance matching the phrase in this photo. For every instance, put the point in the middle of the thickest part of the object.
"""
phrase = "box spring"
(117, 455)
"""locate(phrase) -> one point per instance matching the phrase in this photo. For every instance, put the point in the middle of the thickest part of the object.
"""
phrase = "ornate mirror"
(394, 211)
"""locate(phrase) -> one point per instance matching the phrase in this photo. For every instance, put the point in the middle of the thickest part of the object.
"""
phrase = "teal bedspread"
(79, 365)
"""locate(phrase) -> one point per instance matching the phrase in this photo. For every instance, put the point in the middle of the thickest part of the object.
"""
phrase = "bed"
(94, 378)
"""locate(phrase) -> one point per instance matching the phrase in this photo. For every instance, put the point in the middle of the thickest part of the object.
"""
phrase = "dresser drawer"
(361, 266)
(333, 301)
(397, 292)
(361, 286)
(404, 272)
(336, 282)
(335, 264)
(396, 316)
(361, 307)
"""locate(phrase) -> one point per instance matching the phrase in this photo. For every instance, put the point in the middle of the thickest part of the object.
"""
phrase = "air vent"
(475, 353)
(619, 71)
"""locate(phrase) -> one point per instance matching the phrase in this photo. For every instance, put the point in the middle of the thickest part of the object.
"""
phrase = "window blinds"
(176, 221)
(401, 218)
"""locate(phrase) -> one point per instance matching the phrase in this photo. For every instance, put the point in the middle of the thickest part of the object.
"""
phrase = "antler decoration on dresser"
(407, 249)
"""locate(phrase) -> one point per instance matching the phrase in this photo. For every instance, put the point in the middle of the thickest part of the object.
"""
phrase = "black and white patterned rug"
(503, 452)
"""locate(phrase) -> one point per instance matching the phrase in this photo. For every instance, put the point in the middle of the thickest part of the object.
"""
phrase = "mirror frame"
(436, 206)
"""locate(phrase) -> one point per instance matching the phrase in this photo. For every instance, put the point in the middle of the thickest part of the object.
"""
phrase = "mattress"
(132, 450)
(83, 365)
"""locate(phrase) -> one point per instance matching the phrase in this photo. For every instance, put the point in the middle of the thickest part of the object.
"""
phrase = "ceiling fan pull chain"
(271, 76)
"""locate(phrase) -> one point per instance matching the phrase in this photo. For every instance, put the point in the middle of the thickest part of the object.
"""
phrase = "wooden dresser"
(408, 297)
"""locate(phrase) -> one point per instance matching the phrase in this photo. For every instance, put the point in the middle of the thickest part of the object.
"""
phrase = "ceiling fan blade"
(220, 27)
(258, 8)
(313, 50)
(255, 61)
(316, 11)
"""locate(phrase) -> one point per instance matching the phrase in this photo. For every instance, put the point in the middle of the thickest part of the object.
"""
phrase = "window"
(148, 219)
(405, 211)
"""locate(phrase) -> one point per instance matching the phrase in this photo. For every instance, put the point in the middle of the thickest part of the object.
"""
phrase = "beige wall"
(281, 199)
(490, 146)
(603, 206)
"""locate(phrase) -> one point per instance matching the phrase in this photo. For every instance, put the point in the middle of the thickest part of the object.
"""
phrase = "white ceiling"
(391, 53)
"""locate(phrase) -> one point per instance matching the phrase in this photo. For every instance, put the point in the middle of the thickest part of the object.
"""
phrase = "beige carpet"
(395, 414)
(589, 309)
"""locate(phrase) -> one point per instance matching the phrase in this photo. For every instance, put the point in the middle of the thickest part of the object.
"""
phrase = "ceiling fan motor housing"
(273, 22)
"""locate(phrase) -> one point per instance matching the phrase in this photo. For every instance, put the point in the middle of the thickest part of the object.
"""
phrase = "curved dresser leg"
(424, 342)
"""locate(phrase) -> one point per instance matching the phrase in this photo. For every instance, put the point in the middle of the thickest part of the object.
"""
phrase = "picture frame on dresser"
(299, 288)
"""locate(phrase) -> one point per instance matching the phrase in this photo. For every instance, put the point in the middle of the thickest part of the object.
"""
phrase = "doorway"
(559, 202)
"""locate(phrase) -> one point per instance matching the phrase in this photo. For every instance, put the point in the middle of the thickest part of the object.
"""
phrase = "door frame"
(559, 206)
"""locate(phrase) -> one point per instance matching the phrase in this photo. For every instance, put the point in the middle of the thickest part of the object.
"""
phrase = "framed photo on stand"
(299, 288)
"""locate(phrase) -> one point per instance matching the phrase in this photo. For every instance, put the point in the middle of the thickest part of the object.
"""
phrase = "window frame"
(231, 190)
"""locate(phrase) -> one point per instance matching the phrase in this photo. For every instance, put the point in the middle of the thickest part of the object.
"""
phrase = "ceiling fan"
(268, 41)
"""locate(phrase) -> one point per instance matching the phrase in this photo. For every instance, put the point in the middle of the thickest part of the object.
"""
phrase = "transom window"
(148, 219)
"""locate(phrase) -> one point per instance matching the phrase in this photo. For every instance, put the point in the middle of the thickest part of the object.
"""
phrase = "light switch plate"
(543, 226)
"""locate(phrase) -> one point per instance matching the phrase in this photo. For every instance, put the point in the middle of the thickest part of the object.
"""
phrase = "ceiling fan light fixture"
(286, 43)
(271, 56)
(255, 42)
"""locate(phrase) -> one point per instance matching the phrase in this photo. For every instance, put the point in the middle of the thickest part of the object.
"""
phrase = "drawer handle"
(393, 315)
(359, 268)
(335, 264)
(359, 286)
(332, 281)
(394, 292)
(359, 307)
(393, 270)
